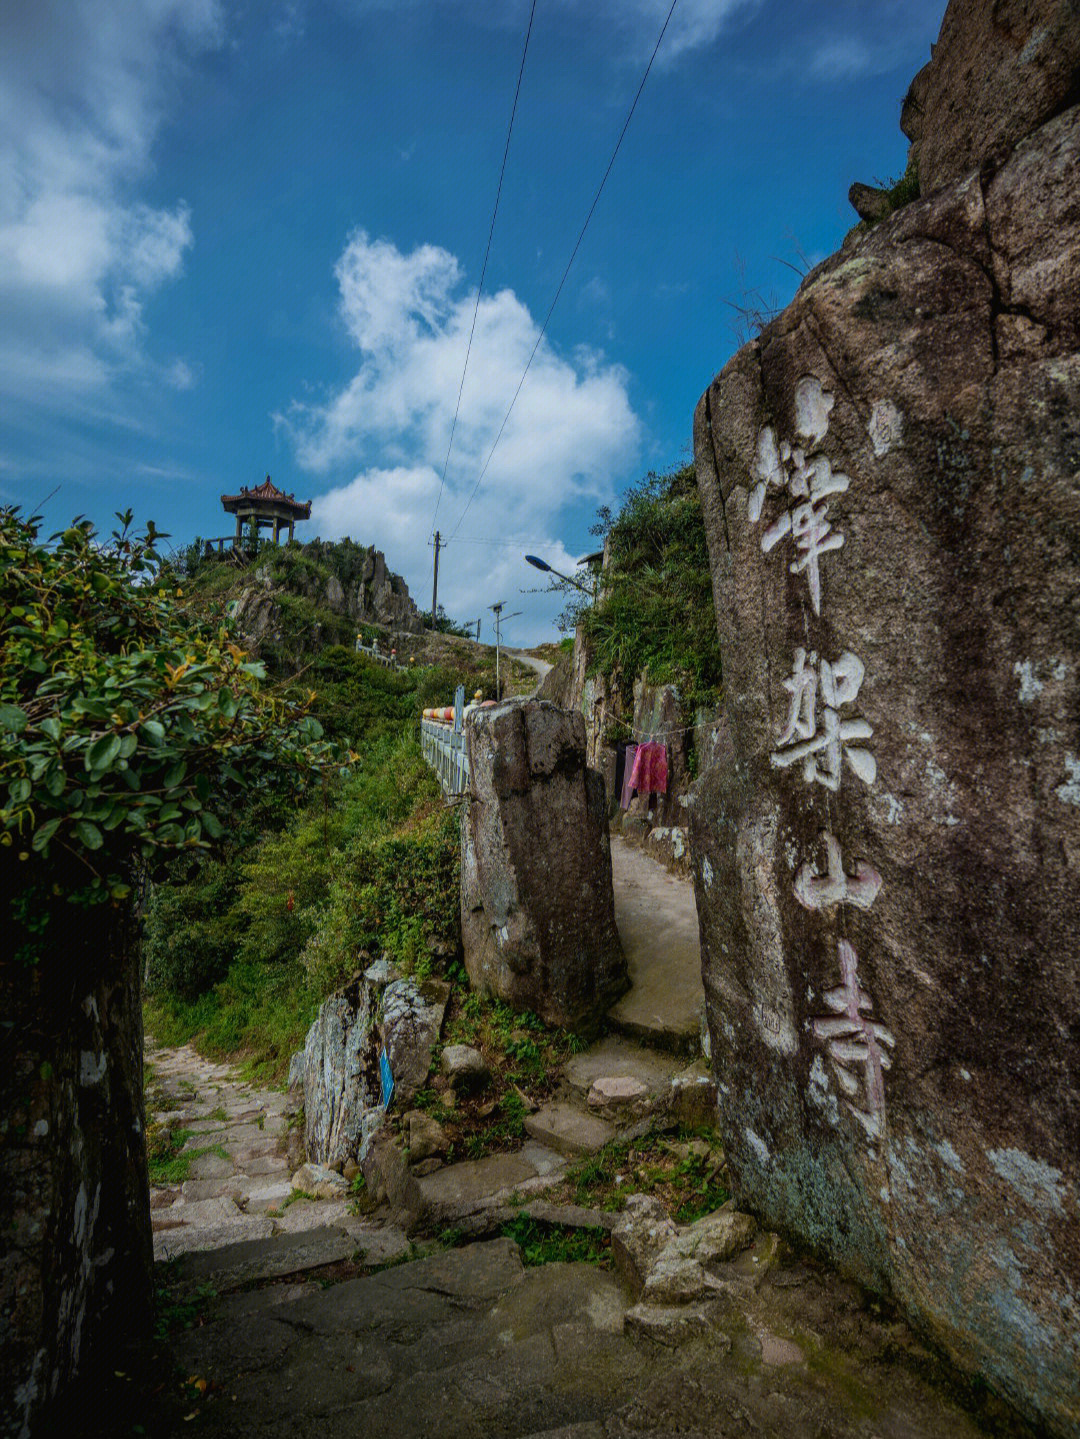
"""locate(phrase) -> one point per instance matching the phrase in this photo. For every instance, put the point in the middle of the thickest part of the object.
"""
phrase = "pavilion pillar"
(291, 527)
(277, 529)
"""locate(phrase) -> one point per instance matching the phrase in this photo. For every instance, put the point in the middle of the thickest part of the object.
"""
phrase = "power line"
(483, 270)
(573, 255)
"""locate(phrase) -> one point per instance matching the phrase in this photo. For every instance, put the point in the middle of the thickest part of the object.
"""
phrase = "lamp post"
(498, 611)
(539, 564)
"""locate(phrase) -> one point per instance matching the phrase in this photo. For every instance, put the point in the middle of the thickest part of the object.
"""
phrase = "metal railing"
(442, 743)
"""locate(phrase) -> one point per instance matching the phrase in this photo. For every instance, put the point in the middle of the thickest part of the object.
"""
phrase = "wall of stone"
(75, 1286)
(887, 841)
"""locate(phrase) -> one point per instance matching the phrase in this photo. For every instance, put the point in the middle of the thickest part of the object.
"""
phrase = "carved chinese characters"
(820, 750)
(822, 737)
(852, 1040)
(809, 480)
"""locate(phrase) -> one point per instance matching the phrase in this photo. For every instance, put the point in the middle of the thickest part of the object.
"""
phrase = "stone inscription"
(814, 890)
(809, 480)
(822, 735)
(819, 747)
(855, 1042)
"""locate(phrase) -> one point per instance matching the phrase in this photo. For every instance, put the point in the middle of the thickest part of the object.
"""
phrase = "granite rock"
(999, 70)
(537, 907)
(887, 841)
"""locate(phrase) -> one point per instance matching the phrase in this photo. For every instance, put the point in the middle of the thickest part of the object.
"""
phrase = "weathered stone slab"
(887, 843)
(341, 1074)
(538, 919)
(568, 1130)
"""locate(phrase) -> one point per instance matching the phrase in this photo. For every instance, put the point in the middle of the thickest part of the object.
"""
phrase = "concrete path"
(539, 667)
(237, 1185)
(657, 919)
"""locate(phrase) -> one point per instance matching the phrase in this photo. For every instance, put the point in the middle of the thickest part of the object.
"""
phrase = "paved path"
(539, 667)
(657, 918)
(237, 1186)
(469, 1343)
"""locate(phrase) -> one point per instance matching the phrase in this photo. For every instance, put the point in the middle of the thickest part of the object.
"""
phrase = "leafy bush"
(655, 609)
(127, 729)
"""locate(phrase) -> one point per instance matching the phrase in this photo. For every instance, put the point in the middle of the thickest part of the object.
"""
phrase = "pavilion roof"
(266, 495)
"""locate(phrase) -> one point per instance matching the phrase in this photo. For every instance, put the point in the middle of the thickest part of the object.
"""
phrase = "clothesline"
(649, 734)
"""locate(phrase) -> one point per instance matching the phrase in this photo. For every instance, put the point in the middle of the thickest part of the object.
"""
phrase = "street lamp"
(539, 564)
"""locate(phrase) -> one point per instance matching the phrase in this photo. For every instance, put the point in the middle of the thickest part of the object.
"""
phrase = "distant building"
(267, 507)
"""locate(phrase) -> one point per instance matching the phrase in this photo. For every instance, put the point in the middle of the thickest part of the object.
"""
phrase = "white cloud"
(83, 89)
(571, 436)
(841, 58)
(695, 25)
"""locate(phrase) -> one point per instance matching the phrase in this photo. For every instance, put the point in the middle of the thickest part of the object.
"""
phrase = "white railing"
(442, 743)
(379, 658)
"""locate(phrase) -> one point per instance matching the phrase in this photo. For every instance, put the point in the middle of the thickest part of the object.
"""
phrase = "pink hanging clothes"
(649, 773)
(628, 777)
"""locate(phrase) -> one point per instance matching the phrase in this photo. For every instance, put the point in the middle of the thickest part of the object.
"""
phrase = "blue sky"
(244, 236)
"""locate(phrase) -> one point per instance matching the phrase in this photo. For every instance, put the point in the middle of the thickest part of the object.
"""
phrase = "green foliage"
(655, 610)
(168, 1161)
(259, 1012)
(557, 1243)
(128, 733)
(371, 866)
(126, 729)
(901, 192)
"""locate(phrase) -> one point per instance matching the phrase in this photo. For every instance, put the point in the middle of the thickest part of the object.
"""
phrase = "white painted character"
(854, 1041)
(818, 891)
(822, 750)
(809, 481)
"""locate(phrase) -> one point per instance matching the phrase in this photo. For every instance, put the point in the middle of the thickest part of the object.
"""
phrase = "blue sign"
(386, 1079)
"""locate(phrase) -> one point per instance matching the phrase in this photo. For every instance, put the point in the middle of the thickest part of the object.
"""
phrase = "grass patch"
(558, 1243)
(172, 1314)
(524, 1057)
(167, 1160)
(685, 1171)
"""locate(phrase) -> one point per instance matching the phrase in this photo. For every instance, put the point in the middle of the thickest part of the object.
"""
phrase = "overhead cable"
(573, 255)
(483, 270)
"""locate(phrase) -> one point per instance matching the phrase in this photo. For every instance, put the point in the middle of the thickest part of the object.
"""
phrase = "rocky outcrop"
(339, 1065)
(340, 1075)
(1000, 68)
(887, 842)
(537, 908)
(369, 594)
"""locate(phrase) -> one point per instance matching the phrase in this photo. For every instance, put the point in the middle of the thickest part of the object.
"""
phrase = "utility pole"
(439, 544)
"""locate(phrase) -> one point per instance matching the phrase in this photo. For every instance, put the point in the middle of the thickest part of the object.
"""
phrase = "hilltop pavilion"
(267, 507)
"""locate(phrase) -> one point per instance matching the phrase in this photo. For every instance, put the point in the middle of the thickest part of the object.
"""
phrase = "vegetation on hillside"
(129, 731)
(654, 611)
(243, 945)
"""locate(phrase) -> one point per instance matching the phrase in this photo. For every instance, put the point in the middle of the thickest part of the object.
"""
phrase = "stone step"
(636, 1017)
(569, 1130)
(250, 1260)
(615, 1056)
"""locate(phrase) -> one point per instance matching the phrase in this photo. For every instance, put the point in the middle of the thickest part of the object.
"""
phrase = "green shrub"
(655, 611)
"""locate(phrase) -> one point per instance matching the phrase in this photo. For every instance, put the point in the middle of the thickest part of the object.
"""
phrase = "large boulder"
(887, 840)
(342, 1101)
(537, 907)
(76, 1268)
(999, 69)
(339, 1066)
